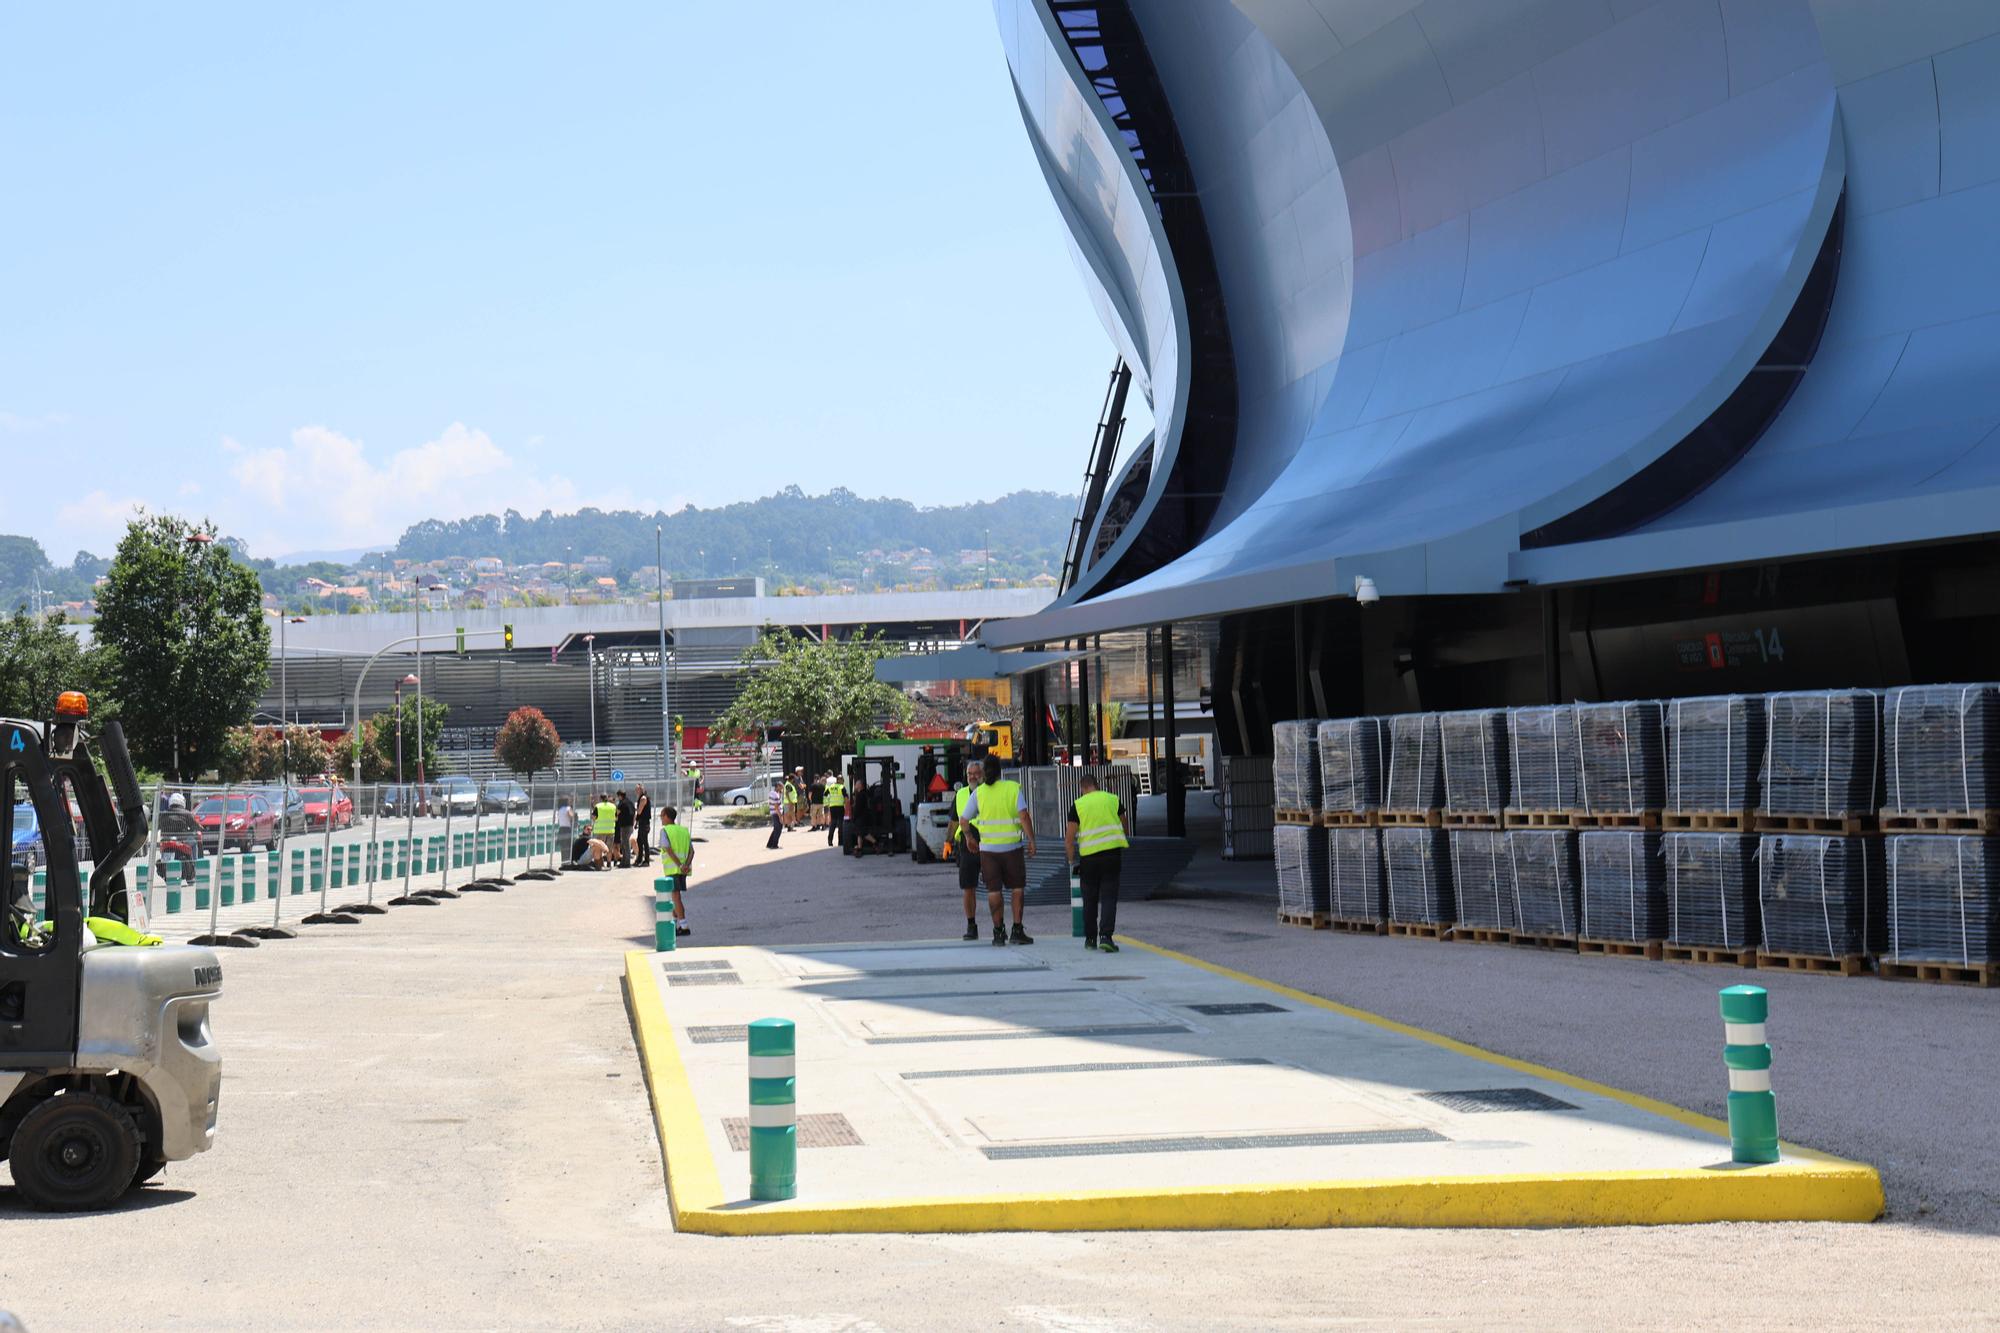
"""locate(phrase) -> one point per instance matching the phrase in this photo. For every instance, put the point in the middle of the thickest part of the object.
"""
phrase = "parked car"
(458, 795)
(396, 802)
(317, 799)
(28, 851)
(241, 822)
(503, 796)
(757, 789)
(292, 802)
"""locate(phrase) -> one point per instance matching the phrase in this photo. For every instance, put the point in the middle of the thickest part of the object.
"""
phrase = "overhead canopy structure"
(972, 662)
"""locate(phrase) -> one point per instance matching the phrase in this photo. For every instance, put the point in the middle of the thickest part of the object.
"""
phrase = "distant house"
(1042, 581)
(489, 564)
(605, 585)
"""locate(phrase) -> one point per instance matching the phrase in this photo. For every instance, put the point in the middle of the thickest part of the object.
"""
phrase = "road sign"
(617, 775)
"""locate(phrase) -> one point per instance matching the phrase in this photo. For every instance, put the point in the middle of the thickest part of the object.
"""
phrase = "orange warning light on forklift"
(72, 703)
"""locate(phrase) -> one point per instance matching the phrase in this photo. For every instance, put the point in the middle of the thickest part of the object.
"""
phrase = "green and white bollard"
(663, 915)
(1076, 929)
(774, 1121)
(1753, 1107)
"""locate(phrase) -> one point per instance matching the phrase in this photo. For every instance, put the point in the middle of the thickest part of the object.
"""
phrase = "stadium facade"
(1622, 347)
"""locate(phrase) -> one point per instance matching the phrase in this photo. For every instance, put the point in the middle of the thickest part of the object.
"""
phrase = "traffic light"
(461, 641)
(507, 637)
(677, 726)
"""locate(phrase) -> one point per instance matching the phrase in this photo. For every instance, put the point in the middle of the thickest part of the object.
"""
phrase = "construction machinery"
(108, 1069)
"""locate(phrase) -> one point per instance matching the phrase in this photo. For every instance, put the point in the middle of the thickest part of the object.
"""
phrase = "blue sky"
(320, 271)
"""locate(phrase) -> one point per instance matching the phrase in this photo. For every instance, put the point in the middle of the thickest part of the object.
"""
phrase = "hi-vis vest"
(836, 796)
(606, 818)
(791, 794)
(680, 846)
(998, 819)
(963, 795)
(1098, 828)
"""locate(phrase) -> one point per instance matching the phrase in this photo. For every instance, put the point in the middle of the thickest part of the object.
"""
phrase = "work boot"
(683, 930)
(1089, 943)
(1021, 936)
(1109, 946)
(971, 929)
(1000, 935)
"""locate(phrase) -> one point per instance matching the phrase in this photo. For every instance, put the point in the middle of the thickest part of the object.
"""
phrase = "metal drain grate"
(706, 979)
(869, 974)
(1101, 1067)
(1135, 1030)
(1230, 1010)
(825, 1130)
(1474, 1100)
(961, 994)
(703, 965)
(1110, 978)
(704, 1036)
(1353, 1138)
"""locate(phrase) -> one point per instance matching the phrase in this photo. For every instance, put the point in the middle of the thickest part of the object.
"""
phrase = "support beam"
(1176, 794)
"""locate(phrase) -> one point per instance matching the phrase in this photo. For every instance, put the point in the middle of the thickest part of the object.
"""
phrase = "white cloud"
(95, 522)
(323, 490)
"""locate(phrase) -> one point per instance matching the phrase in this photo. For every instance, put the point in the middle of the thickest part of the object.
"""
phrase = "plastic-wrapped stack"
(1300, 852)
(1473, 744)
(1941, 748)
(1416, 773)
(1822, 753)
(1417, 865)
(1352, 755)
(1619, 744)
(1482, 880)
(1944, 899)
(1712, 890)
(1714, 746)
(1624, 885)
(1820, 894)
(1295, 765)
(1543, 765)
(1355, 887)
(1545, 880)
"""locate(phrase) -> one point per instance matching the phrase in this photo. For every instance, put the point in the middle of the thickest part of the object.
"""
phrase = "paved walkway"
(434, 1120)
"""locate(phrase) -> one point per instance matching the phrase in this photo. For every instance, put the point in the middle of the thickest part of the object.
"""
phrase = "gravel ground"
(435, 1120)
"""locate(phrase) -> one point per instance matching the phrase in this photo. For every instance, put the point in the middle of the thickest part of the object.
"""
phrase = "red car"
(250, 820)
(316, 803)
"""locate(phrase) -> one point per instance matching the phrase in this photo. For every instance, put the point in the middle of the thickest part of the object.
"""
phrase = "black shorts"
(968, 868)
(1008, 869)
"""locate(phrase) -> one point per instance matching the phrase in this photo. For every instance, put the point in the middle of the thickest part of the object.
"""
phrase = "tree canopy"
(527, 742)
(825, 693)
(41, 659)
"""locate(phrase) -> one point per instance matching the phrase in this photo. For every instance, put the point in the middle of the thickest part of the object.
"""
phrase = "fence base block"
(225, 941)
(413, 900)
(269, 932)
(330, 919)
(361, 909)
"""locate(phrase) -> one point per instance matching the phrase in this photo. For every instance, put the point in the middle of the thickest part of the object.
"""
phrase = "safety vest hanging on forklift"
(1098, 827)
(605, 820)
(999, 818)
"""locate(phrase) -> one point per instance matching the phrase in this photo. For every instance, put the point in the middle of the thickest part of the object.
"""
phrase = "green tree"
(825, 694)
(188, 650)
(38, 661)
(528, 742)
(383, 727)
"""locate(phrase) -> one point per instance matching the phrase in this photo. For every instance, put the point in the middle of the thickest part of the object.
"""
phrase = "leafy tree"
(38, 661)
(382, 730)
(188, 650)
(825, 694)
(528, 742)
(258, 754)
(21, 559)
(374, 766)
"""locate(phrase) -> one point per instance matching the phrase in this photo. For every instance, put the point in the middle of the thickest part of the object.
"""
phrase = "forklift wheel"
(74, 1153)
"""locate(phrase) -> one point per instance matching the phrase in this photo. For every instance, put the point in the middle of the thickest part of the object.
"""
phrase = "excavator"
(108, 1067)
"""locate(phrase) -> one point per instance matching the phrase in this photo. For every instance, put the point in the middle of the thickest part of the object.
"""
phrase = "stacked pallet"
(1300, 854)
(1413, 788)
(1482, 881)
(1295, 785)
(1941, 753)
(1712, 898)
(1624, 892)
(1713, 748)
(1357, 892)
(1621, 749)
(1545, 773)
(1822, 768)
(1247, 807)
(1542, 862)
(1943, 909)
(1353, 755)
(1472, 747)
(1822, 901)
(1416, 864)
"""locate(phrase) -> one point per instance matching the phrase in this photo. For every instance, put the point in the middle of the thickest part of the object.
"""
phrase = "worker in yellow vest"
(1004, 834)
(791, 804)
(836, 807)
(967, 857)
(603, 831)
(676, 863)
(1096, 835)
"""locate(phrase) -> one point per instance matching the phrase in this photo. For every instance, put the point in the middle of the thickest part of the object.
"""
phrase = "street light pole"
(590, 658)
(666, 698)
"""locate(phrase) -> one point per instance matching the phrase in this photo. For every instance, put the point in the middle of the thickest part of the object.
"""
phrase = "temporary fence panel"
(1300, 854)
(1820, 894)
(1621, 749)
(1714, 746)
(1944, 899)
(1417, 866)
(1353, 752)
(1544, 769)
(1416, 772)
(1711, 890)
(1356, 890)
(1624, 885)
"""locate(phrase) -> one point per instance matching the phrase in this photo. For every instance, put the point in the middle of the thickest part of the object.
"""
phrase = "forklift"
(108, 1070)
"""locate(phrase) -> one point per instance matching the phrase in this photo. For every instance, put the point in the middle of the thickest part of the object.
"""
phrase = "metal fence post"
(215, 938)
(407, 898)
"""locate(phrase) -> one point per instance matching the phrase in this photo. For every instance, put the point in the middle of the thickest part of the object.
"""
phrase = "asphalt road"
(435, 1120)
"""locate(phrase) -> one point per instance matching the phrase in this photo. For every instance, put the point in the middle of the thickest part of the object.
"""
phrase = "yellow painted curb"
(1807, 1186)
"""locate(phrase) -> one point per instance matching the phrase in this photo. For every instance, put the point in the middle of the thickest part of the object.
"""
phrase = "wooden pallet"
(1305, 920)
(1984, 975)
(1355, 925)
(1486, 819)
(1305, 817)
(1847, 965)
(1707, 821)
(1837, 825)
(1349, 818)
(1941, 821)
(1696, 953)
(1420, 930)
(1627, 819)
(1565, 943)
(1481, 934)
(1538, 818)
(1412, 818)
(1647, 949)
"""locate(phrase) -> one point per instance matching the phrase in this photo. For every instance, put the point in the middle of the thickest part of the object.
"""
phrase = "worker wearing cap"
(1096, 835)
(1004, 833)
(966, 856)
(676, 863)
